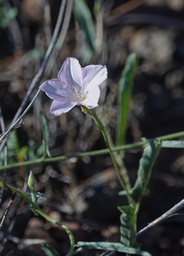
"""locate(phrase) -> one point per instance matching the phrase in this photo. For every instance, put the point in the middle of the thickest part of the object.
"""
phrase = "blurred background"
(83, 192)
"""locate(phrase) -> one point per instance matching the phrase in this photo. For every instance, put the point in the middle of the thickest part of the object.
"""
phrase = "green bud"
(31, 181)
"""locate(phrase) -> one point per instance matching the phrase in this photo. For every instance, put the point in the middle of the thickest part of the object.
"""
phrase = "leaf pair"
(129, 213)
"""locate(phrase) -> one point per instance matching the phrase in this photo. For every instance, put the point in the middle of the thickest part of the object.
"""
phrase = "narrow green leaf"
(45, 129)
(124, 97)
(111, 247)
(83, 17)
(49, 251)
(172, 144)
(13, 144)
(150, 154)
(128, 226)
(13, 148)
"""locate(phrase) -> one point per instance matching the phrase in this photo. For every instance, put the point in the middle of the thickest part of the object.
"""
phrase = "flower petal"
(92, 98)
(74, 86)
(56, 90)
(71, 74)
(93, 76)
(57, 107)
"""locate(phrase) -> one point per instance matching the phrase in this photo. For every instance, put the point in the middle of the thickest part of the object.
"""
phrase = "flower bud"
(31, 181)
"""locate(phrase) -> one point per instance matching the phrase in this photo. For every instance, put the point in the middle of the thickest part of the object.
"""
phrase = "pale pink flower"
(74, 86)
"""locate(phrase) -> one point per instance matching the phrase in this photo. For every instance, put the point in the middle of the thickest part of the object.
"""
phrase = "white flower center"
(79, 96)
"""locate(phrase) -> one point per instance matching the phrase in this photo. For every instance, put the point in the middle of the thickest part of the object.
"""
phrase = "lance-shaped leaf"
(45, 129)
(118, 247)
(124, 97)
(173, 144)
(83, 16)
(13, 148)
(150, 154)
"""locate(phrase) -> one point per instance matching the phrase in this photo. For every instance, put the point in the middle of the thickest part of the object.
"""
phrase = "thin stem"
(41, 70)
(39, 211)
(133, 146)
(48, 160)
(19, 119)
(5, 161)
(66, 21)
(120, 170)
(164, 216)
(171, 136)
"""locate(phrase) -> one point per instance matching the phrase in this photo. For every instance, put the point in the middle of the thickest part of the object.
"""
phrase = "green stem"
(120, 170)
(54, 159)
(171, 136)
(133, 146)
(38, 210)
